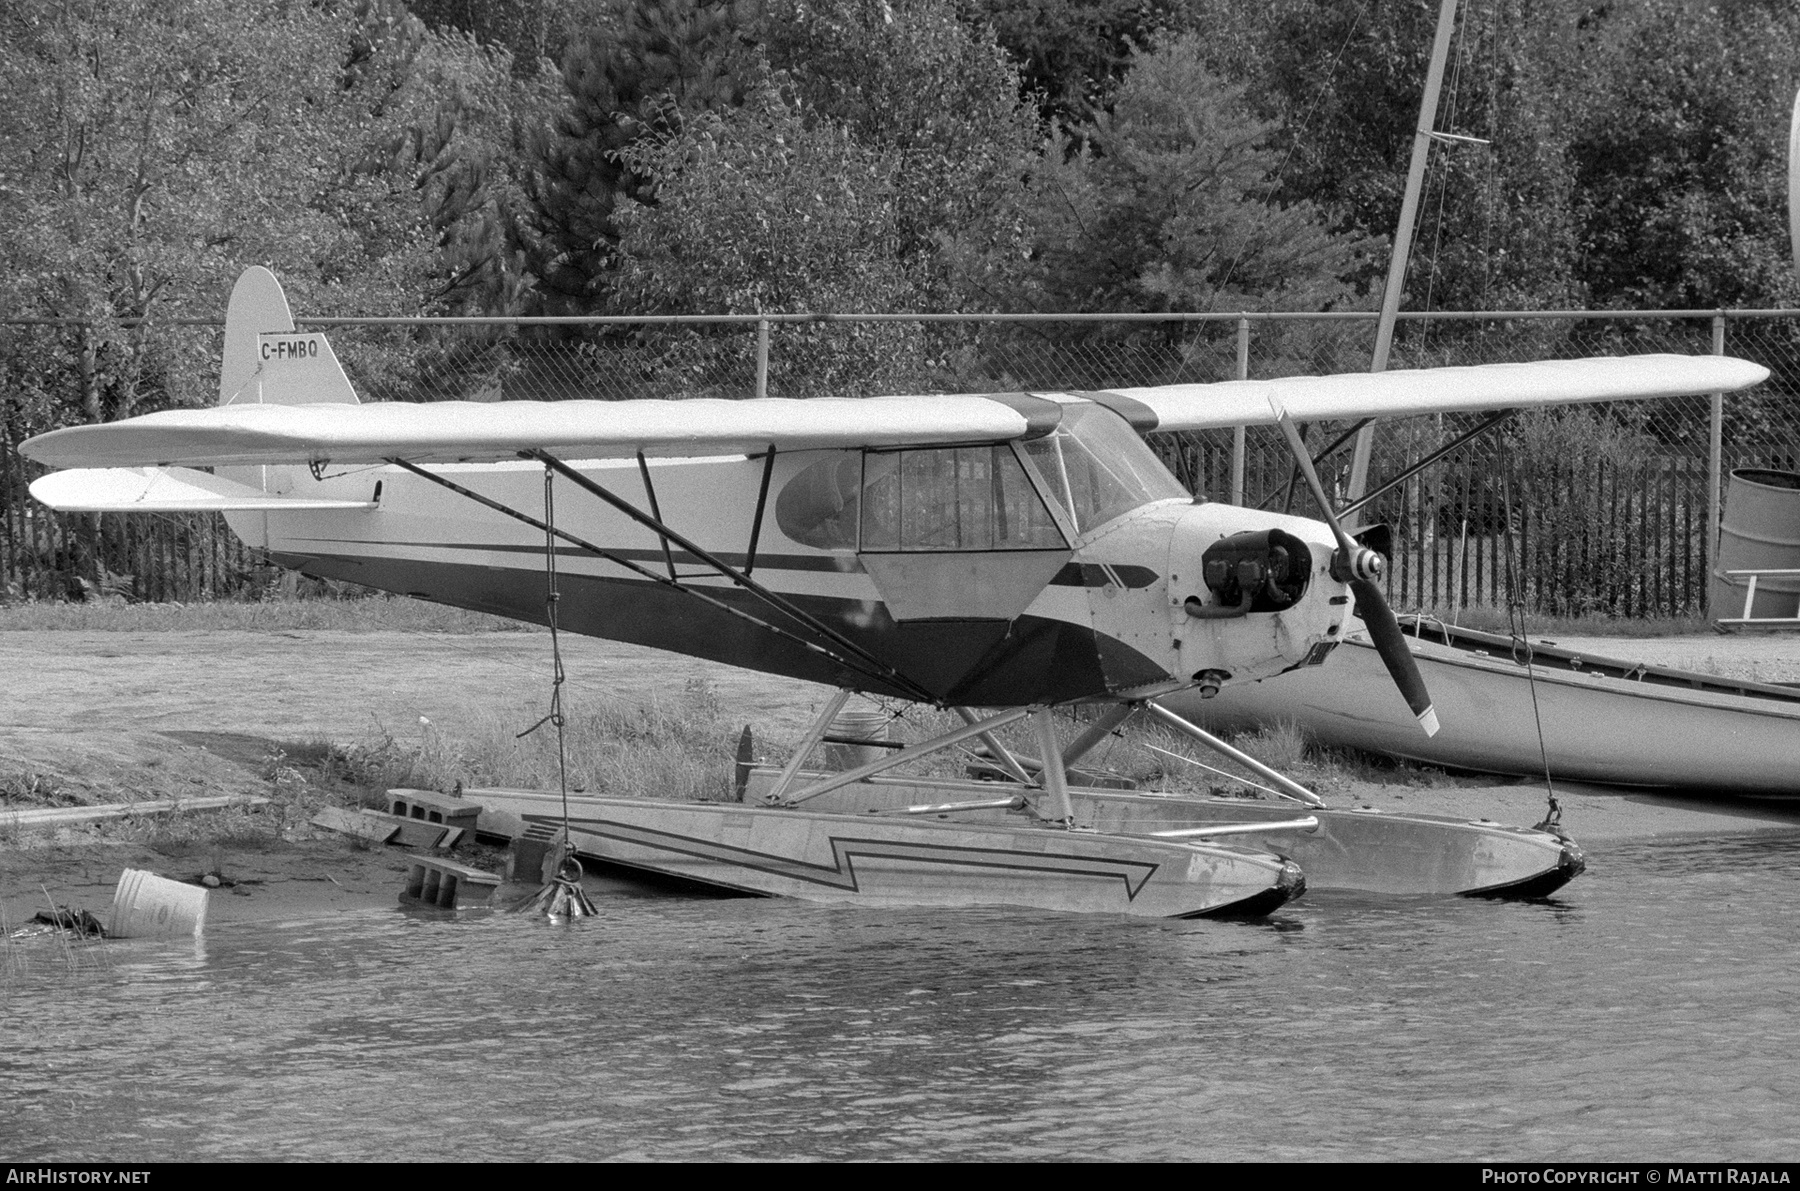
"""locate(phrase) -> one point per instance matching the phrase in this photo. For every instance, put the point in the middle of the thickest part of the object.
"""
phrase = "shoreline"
(101, 717)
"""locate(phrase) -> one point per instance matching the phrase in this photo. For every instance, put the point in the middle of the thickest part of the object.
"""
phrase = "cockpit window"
(819, 507)
(976, 498)
(953, 498)
(1099, 468)
(938, 499)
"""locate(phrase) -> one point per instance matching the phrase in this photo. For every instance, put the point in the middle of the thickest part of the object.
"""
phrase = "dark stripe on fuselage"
(1075, 574)
(837, 564)
(978, 663)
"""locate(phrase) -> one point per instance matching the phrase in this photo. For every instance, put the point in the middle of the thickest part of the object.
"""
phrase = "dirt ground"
(105, 717)
(119, 717)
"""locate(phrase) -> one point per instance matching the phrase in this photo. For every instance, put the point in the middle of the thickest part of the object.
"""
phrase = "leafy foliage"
(150, 151)
(533, 33)
(757, 211)
(1073, 53)
(1679, 167)
(886, 154)
(907, 78)
(637, 68)
(1169, 206)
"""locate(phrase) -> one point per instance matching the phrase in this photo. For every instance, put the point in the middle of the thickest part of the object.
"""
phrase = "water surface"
(1644, 1013)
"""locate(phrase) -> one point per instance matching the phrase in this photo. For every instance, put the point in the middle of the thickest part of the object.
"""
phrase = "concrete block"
(434, 881)
(433, 807)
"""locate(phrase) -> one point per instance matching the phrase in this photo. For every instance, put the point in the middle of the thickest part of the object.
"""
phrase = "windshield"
(1098, 467)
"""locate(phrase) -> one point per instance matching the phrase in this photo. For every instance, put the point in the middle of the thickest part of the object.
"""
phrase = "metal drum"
(1759, 530)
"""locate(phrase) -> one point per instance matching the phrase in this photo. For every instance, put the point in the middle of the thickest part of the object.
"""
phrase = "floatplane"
(999, 555)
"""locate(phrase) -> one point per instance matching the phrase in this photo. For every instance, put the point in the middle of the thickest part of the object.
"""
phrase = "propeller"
(1360, 568)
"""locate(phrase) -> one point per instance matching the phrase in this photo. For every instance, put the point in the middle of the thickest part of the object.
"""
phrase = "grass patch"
(379, 613)
(27, 788)
(1158, 758)
(681, 749)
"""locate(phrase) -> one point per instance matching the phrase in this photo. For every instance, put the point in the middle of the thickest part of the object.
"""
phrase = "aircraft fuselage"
(986, 612)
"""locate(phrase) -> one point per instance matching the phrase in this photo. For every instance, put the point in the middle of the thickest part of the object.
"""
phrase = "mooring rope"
(562, 896)
(551, 598)
(1515, 626)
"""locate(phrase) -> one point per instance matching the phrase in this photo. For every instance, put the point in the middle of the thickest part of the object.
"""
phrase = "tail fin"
(266, 360)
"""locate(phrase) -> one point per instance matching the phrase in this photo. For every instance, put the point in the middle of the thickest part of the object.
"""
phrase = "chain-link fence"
(1608, 509)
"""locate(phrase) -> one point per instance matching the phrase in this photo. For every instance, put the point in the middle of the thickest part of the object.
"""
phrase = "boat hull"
(1363, 851)
(881, 861)
(1603, 720)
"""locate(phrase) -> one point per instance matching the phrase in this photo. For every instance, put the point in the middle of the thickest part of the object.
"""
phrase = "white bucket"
(147, 906)
(857, 723)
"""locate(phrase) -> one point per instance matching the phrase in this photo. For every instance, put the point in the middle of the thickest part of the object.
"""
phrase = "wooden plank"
(64, 815)
(378, 829)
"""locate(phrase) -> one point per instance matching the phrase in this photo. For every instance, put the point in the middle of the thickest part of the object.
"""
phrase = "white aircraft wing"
(456, 431)
(461, 431)
(1441, 390)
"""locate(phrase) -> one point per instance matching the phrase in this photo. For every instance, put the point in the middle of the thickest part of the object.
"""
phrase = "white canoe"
(1603, 719)
(875, 860)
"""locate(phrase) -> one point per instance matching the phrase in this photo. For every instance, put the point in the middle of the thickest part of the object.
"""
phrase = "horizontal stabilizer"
(165, 490)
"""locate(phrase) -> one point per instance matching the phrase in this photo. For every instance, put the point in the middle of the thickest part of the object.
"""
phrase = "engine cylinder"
(1261, 571)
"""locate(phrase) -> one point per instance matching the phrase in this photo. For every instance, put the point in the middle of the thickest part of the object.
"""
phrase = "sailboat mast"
(1409, 209)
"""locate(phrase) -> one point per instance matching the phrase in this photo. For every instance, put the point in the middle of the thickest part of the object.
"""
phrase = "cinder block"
(445, 809)
(533, 855)
(445, 883)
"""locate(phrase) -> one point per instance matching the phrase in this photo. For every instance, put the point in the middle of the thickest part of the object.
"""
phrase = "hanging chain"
(551, 598)
(1522, 653)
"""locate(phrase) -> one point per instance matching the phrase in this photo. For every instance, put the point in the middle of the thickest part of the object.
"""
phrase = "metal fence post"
(1715, 467)
(1237, 432)
(762, 357)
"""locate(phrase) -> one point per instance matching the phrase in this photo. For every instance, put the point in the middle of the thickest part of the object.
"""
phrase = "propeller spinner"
(1361, 567)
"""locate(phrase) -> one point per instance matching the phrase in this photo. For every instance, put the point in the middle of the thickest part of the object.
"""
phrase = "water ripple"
(1643, 1012)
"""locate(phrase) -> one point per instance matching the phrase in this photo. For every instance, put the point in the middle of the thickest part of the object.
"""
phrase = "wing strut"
(762, 502)
(779, 602)
(881, 673)
(1451, 447)
(780, 796)
(656, 512)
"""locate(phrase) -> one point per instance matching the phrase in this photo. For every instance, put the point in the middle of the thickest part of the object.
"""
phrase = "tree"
(1169, 206)
(455, 120)
(149, 151)
(1072, 54)
(758, 211)
(908, 78)
(1679, 162)
(1342, 85)
(533, 33)
(638, 68)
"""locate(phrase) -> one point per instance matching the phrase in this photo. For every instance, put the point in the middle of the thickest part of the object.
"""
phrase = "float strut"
(1286, 785)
